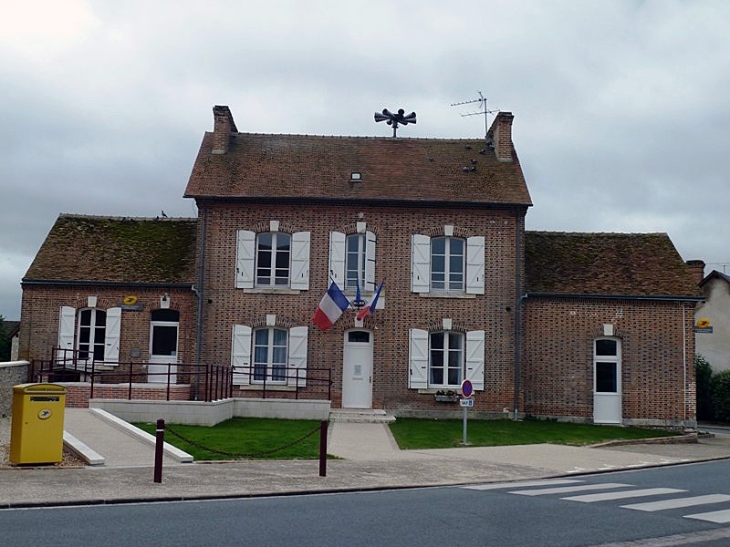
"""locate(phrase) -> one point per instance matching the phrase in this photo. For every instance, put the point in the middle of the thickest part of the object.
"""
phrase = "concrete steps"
(361, 415)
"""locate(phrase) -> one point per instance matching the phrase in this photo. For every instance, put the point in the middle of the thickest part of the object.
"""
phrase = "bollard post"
(159, 447)
(323, 448)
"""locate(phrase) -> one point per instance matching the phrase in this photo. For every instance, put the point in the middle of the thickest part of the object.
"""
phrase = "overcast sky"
(622, 108)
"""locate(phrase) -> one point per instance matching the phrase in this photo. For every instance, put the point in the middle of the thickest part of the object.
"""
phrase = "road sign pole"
(465, 408)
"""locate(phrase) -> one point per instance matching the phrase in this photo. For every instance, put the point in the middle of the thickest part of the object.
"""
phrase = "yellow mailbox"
(36, 434)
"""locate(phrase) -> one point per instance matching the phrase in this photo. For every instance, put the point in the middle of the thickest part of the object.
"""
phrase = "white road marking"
(719, 517)
(678, 503)
(519, 484)
(569, 489)
(608, 496)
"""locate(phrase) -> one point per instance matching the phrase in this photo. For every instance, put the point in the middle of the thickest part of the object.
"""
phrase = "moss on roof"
(606, 264)
(139, 250)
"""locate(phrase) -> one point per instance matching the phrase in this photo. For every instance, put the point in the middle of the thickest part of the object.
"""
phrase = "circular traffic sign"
(467, 389)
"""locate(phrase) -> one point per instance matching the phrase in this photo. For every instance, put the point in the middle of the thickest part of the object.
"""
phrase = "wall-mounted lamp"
(165, 301)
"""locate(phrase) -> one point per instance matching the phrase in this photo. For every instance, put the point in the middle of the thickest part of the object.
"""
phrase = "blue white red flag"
(333, 303)
(369, 308)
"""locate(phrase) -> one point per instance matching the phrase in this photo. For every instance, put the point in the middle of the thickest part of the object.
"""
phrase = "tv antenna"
(483, 111)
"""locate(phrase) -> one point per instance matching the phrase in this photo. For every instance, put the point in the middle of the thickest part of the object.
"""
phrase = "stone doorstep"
(361, 415)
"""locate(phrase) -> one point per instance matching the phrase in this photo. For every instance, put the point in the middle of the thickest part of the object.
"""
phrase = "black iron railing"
(207, 382)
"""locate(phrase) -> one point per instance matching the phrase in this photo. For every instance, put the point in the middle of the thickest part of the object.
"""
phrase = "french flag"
(369, 308)
(330, 308)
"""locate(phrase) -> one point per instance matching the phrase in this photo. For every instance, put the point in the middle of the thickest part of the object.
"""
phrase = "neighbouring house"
(591, 327)
(712, 321)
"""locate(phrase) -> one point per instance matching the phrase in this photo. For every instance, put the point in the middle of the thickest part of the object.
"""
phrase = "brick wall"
(40, 315)
(492, 312)
(79, 393)
(657, 345)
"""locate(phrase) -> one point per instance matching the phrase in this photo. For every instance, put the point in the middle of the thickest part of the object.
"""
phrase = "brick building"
(467, 292)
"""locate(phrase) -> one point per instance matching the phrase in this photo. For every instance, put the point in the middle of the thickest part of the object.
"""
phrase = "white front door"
(607, 382)
(357, 370)
(163, 352)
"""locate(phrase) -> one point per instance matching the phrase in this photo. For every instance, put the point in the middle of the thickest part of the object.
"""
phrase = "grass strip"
(414, 433)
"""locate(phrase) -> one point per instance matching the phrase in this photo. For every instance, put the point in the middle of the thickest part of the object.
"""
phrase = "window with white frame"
(269, 354)
(272, 260)
(352, 260)
(443, 359)
(89, 333)
(446, 359)
(607, 364)
(355, 262)
(273, 252)
(447, 265)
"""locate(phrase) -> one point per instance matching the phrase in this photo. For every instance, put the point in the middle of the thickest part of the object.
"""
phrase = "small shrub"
(721, 395)
(704, 388)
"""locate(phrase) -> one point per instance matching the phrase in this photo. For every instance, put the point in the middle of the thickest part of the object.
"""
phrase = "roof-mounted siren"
(395, 119)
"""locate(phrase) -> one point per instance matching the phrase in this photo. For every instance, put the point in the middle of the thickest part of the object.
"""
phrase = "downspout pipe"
(200, 293)
(518, 316)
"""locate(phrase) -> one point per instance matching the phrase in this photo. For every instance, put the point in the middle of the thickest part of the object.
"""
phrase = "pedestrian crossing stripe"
(568, 486)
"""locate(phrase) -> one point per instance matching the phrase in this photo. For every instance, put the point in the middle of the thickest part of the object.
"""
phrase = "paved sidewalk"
(369, 460)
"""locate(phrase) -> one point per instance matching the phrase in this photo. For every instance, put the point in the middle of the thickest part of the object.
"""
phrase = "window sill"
(446, 295)
(269, 387)
(271, 291)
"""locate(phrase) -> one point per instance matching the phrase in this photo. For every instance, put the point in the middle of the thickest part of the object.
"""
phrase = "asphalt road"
(571, 512)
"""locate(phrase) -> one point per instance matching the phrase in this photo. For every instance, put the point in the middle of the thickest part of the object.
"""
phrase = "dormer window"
(355, 176)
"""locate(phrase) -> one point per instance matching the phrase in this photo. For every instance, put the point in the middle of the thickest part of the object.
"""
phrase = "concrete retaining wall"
(11, 374)
(209, 414)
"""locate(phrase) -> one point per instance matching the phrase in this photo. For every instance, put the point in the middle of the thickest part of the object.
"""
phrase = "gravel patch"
(69, 459)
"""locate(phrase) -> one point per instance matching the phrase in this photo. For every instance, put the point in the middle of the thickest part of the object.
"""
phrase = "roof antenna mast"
(483, 111)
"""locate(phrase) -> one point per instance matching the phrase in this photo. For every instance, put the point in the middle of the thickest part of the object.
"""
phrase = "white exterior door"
(163, 352)
(357, 370)
(607, 382)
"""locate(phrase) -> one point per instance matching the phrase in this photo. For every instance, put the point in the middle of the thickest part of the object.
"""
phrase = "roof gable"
(108, 249)
(606, 264)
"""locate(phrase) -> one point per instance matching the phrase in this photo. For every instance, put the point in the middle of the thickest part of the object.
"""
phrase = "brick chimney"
(222, 129)
(697, 268)
(500, 135)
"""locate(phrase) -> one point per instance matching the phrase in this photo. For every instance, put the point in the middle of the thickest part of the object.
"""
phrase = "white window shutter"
(420, 263)
(337, 258)
(475, 358)
(245, 258)
(112, 335)
(241, 355)
(298, 356)
(475, 265)
(418, 359)
(300, 261)
(369, 261)
(66, 330)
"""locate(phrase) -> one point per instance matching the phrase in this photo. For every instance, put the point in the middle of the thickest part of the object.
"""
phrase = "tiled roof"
(282, 166)
(714, 274)
(606, 264)
(106, 249)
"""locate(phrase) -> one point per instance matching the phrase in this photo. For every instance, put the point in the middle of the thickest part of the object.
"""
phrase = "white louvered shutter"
(66, 331)
(370, 261)
(298, 356)
(418, 359)
(475, 265)
(475, 358)
(300, 261)
(337, 258)
(420, 263)
(241, 355)
(112, 335)
(245, 259)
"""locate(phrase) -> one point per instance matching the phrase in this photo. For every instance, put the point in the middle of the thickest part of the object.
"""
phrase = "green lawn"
(256, 438)
(249, 438)
(411, 433)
